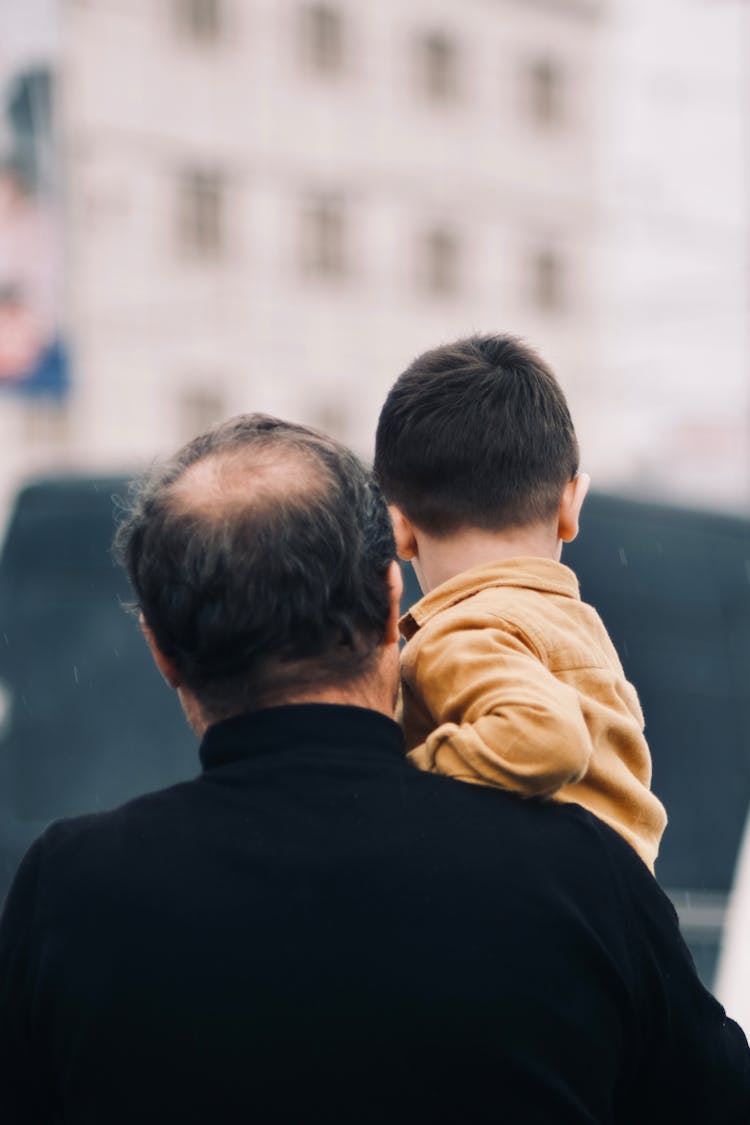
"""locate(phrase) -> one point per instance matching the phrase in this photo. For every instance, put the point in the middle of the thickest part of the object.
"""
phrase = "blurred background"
(213, 206)
(209, 206)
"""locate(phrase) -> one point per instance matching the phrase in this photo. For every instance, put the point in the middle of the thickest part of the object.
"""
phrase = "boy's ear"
(571, 503)
(406, 540)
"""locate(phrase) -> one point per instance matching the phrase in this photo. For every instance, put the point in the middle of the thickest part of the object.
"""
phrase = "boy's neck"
(440, 559)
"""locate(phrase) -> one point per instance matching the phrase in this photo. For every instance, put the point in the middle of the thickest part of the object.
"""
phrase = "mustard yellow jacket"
(509, 679)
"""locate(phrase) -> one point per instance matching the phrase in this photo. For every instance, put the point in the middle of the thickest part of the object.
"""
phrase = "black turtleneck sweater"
(313, 931)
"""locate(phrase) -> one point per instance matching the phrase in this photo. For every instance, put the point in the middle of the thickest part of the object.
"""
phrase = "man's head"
(261, 556)
(476, 435)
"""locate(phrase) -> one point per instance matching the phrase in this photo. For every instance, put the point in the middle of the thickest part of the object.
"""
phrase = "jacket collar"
(301, 727)
(545, 575)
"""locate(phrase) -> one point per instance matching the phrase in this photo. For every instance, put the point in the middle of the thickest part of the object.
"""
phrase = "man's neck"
(440, 559)
(361, 694)
(375, 691)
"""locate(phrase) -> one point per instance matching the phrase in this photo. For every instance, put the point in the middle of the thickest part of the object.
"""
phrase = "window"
(200, 20)
(439, 262)
(545, 84)
(322, 38)
(324, 238)
(437, 63)
(547, 281)
(202, 213)
(199, 409)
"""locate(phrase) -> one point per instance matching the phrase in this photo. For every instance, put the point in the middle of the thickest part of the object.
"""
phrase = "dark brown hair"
(274, 580)
(476, 434)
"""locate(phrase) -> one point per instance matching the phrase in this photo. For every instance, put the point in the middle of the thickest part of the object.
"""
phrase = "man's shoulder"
(558, 834)
(541, 856)
(545, 828)
(92, 837)
(640, 898)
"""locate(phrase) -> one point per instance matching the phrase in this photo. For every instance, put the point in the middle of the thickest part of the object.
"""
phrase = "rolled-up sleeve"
(500, 716)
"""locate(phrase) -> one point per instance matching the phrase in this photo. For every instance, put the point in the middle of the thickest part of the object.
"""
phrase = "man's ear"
(571, 503)
(395, 590)
(162, 662)
(406, 540)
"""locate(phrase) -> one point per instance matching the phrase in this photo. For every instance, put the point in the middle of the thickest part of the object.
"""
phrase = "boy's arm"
(500, 715)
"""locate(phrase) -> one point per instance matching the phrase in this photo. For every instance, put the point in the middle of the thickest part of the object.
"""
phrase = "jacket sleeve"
(706, 1073)
(693, 1060)
(23, 1094)
(500, 716)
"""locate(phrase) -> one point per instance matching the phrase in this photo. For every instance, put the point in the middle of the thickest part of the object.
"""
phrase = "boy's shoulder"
(534, 600)
(517, 590)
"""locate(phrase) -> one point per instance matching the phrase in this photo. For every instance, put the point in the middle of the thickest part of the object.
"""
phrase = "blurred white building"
(275, 204)
(674, 387)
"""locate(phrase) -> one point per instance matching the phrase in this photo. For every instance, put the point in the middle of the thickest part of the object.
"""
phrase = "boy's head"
(476, 435)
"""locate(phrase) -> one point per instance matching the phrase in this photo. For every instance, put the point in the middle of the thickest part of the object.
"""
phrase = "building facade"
(275, 204)
(674, 392)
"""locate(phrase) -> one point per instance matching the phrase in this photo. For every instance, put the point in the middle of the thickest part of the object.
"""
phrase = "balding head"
(259, 474)
(259, 556)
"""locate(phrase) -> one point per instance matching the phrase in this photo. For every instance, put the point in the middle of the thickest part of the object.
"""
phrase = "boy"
(508, 678)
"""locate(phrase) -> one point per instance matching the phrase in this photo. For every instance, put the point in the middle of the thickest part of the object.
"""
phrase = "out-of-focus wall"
(671, 414)
(274, 204)
(34, 366)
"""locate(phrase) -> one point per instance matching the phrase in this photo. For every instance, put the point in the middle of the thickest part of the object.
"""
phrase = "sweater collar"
(545, 575)
(301, 727)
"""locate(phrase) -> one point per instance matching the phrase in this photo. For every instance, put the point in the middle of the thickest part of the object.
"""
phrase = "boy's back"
(507, 657)
(509, 679)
